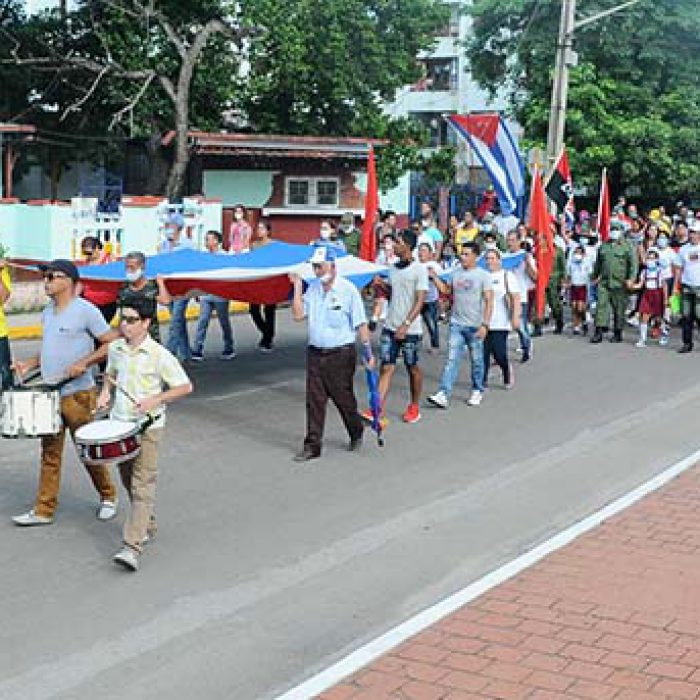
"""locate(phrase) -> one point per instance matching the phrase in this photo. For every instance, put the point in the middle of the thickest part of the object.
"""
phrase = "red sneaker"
(412, 414)
(368, 417)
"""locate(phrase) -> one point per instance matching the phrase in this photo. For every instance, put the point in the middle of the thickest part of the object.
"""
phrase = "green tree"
(130, 68)
(633, 99)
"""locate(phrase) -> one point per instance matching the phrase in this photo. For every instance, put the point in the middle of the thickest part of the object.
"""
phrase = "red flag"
(487, 202)
(368, 242)
(604, 208)
(540, 222)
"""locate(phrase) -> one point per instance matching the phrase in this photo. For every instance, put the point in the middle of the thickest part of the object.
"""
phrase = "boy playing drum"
(140, 369)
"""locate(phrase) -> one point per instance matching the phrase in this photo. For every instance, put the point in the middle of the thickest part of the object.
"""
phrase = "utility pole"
(567, 58)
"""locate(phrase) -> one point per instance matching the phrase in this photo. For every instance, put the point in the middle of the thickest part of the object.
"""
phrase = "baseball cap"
(323, 254)
(176, 219)
(64, 266)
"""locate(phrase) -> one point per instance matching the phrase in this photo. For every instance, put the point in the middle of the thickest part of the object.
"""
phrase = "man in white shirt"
(688, 281)
(526, 273)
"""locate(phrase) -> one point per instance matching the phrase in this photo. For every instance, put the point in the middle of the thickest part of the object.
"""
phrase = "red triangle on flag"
(368, 241)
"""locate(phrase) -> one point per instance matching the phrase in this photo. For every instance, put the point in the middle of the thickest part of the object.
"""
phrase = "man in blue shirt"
(178, 339)
(336, 316)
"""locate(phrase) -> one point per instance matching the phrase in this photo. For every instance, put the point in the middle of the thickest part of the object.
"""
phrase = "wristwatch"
(406, 323)
(485, 325)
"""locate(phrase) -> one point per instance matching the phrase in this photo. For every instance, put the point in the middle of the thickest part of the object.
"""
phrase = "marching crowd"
(479, 276)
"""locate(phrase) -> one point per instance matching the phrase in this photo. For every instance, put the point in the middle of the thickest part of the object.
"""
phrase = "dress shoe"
(687, 347)
(617, 337)
(597, 336)
(355, 444)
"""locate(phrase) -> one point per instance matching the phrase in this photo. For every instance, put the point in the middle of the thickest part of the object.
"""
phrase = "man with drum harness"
(140, 368)
(70, 327)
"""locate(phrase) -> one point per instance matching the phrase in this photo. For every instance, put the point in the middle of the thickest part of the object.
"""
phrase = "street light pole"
(567, 58)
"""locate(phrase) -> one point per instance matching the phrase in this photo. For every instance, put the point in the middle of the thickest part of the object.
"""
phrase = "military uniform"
(553, 293)
(615, 265)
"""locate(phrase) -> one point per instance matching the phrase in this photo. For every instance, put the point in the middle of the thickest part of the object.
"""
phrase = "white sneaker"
(439, 399)
(663, 340)
(127, 558)
(640, 344)
(475, 399)
(107, 510)
(30, 518)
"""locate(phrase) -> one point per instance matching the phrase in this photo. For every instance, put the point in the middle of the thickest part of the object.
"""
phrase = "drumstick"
(119, 387)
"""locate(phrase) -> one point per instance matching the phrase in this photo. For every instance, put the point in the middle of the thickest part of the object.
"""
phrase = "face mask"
(578, 258)
(238, 215)
(614, 235)
(583, 241)
(662, 243)
(134, 276)
(490, 246)
(652, 265)
(325, 233)
(325, 279)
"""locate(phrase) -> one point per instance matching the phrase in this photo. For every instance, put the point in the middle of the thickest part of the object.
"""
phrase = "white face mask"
(490, 246)
(662, 243)
(615, 235)
(238, 216)
(325, 233)
(325, 279)
(578, 258)
(134, 276)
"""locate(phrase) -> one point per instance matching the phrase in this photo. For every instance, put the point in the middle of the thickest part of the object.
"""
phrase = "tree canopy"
(634, 97)
(124, 68)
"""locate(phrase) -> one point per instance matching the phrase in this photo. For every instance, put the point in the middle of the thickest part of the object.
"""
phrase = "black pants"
(496, 344)
(6, 381)
(329, 375)
(690, 305)
(264, 318)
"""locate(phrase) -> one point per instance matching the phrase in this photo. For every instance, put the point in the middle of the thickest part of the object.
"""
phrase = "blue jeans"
(524, 331)
(430, 313)
(462, 337)
(178, 340)
(206, 306)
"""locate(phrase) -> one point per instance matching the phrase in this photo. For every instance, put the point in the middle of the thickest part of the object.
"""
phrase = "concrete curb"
(34, 332)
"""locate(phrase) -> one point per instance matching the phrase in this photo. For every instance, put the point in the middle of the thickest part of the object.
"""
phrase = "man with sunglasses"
(336, 316)
(148, 378)
(70, 327)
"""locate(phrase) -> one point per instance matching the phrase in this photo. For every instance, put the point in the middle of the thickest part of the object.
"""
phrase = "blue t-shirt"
(69, 336)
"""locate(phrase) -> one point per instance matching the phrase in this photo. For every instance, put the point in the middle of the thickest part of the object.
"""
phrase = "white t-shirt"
(689, 258)
(667, 259)
(500, 282)
(433, 293)
(579, 272)
(524, 280)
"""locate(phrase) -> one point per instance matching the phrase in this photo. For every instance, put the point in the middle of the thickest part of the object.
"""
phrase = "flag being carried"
(560, 188)
(540, 224)
(604, 208)
(494, 145)
(368, 241)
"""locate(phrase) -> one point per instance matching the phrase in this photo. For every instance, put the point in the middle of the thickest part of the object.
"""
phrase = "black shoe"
(525, 358)
(306, 455)
(585, 328)
(597, 336)
(617, 337)
(559, 328)
(687, 347)
(537, 332)
(355, 444)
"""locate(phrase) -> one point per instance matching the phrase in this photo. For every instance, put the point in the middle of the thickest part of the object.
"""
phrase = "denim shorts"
(389, 348)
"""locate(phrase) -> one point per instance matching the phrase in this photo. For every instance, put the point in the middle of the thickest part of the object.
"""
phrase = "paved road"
(265, 572)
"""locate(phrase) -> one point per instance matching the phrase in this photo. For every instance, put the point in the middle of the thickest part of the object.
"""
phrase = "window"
(436, 125)
(312, 192)
(441, 73)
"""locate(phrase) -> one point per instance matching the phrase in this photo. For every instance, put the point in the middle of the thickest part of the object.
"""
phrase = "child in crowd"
(653, 298)
(431, 309)
(141, 369)
(578, 278)
(385, 256)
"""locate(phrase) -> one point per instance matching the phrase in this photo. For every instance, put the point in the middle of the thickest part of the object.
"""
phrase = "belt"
(330, 351)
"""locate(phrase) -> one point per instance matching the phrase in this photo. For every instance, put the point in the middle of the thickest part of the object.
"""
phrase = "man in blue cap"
(336, 315)
(178, 339)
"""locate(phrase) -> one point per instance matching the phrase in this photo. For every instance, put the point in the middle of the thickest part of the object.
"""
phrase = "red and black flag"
(560, 188)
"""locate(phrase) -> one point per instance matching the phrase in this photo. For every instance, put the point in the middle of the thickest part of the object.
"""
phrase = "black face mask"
(401, 264)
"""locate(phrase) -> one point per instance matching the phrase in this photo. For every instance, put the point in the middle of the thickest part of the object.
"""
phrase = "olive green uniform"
(615, 265)
(553, 291)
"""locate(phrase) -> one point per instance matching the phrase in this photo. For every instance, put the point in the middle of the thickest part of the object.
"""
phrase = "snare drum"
(108, 441)
(30, 412)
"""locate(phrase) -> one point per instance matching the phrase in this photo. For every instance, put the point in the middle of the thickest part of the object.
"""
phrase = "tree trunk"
(181, 156)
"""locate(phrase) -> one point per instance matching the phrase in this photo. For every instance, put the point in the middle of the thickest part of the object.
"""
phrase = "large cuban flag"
(261, 276)
(494, 145)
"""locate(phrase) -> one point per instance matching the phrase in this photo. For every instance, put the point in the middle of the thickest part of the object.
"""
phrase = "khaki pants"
(76, 411)
(139, 478)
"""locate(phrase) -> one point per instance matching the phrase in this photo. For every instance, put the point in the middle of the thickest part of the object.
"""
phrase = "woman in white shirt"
(578, 277)
(505, 317)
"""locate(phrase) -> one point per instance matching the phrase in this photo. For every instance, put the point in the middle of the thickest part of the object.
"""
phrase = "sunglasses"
(51, 276)
(129, 320)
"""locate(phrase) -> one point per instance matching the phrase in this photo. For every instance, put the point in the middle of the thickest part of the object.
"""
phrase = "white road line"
(391, 639)
(253, 390)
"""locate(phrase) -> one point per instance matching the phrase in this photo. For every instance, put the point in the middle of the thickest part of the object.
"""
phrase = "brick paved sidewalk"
(615, 614)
